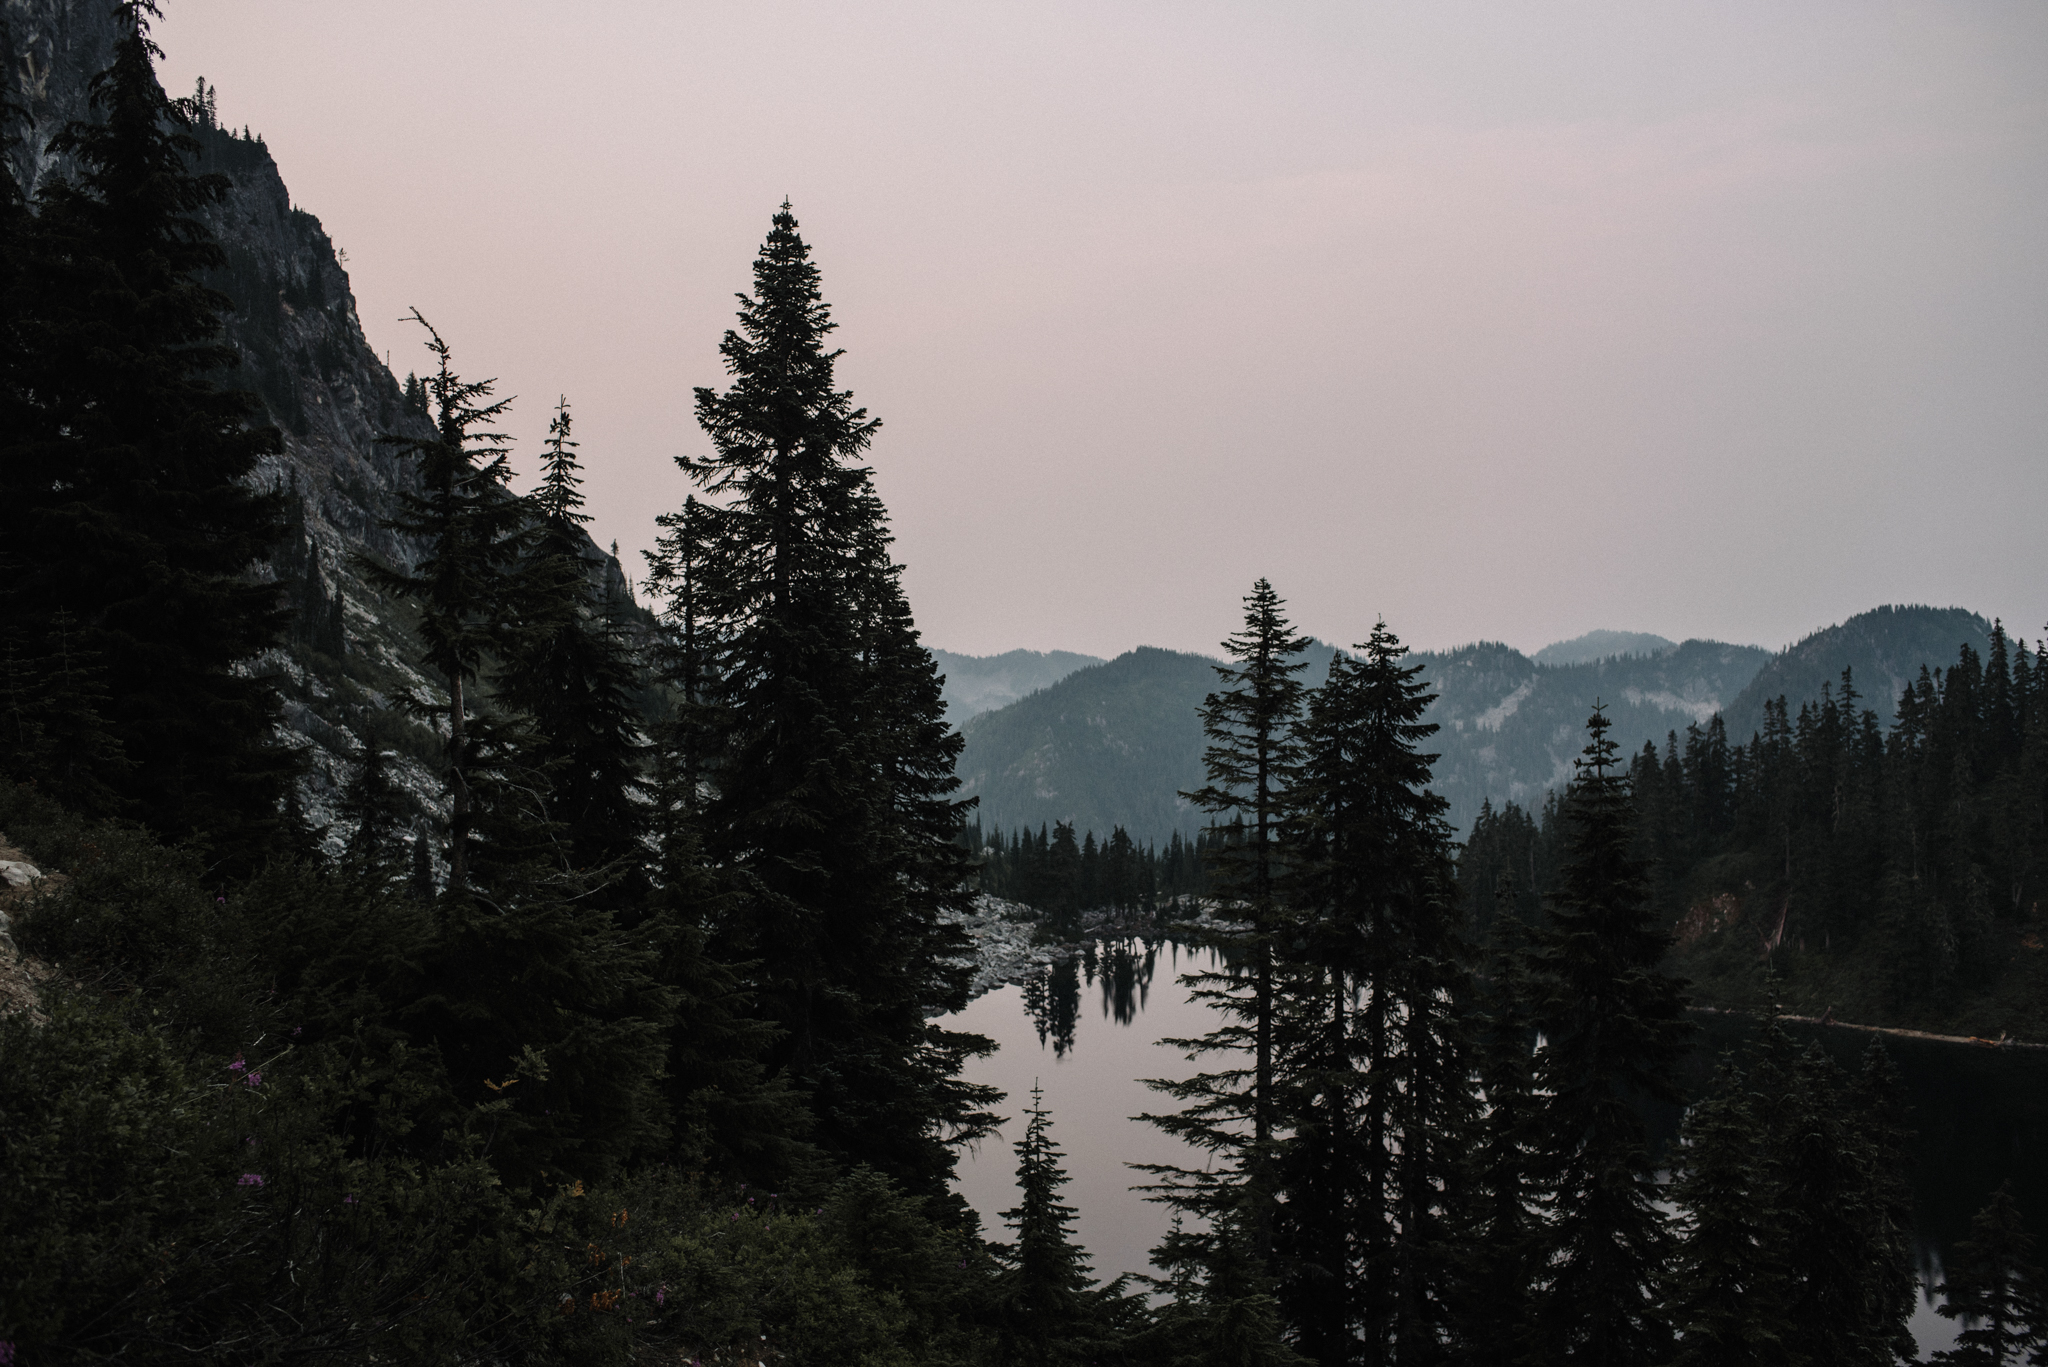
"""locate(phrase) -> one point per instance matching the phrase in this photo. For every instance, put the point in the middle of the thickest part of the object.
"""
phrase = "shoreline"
(1895, 1031)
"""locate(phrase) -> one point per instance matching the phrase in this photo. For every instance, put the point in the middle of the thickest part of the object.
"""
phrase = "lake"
(1086, 1032)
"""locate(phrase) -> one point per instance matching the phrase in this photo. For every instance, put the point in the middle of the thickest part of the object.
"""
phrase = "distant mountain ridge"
(1113, 744)
(1109, 745)
(1512, 726)
(981, 683)
(1598, 645)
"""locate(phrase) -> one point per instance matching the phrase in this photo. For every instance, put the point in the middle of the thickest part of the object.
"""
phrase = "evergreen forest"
(1882, 873)
(1059, 879)
(479, 966)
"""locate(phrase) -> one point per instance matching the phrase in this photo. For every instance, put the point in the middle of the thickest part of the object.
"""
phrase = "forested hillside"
(1881, 873)
(1510, 727)
(1110, 745)
(1886, 648)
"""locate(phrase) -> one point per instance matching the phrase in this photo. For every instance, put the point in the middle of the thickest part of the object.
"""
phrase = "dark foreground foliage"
(234, 1141)
(629, 1048)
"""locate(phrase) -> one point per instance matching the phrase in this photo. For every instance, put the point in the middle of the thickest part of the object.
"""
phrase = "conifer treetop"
(1249, 719)
(1402, 697)
(559, 496)
(467, 513)
(782, 404)
(461, 418)
(1996, 1289)
(1600, 753)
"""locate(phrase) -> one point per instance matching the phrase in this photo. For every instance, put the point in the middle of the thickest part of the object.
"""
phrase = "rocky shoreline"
(1007, 948)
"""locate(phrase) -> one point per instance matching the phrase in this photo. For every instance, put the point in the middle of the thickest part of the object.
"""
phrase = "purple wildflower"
(253, 1080)
(237, 1066)
(249, 1179)
(6, 1352)
(661, 1296)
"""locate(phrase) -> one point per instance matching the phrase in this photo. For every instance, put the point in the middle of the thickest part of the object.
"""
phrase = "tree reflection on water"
(1121, 968)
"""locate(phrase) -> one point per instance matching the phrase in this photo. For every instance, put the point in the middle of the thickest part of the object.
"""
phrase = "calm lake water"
(1087, 1033)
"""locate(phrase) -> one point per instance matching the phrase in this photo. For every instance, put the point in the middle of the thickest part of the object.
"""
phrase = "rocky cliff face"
(305, 357)
(50, 50)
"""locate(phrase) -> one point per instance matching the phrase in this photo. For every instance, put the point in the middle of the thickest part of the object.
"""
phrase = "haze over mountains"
(1112, 744)
(1050, 735)
(981, 683)
(1598, 645)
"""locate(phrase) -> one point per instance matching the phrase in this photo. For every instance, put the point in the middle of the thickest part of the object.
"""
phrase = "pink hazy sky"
(1503, 321)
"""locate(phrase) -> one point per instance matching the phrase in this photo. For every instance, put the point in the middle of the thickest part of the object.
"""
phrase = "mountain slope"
(1113, 745)
(981, 683)
(1512, 727)
(1110, 745)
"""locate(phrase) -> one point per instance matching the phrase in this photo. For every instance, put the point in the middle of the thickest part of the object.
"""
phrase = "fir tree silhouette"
(126, 490)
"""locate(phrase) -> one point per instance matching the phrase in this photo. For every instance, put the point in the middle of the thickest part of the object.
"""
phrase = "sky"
(1500, 322)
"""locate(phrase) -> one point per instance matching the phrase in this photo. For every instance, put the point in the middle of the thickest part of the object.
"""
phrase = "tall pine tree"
(533, 1000)
(829, 800)
(1379, 943)
(1994, 1287)
(1250, 766)
(1049, 1308)
(1791, 1248)
(575, 675)
(1729, 1293)
(1613, 1030)
(463, 586)
(1500, 1216)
